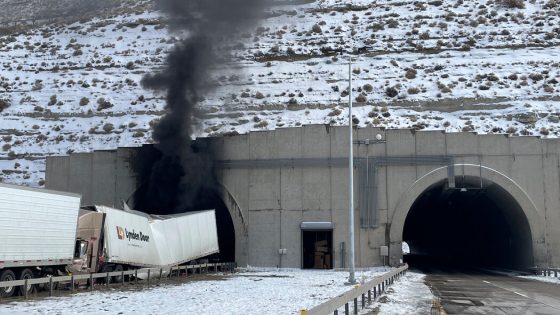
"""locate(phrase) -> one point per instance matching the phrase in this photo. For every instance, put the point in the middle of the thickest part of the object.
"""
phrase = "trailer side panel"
(37, 227)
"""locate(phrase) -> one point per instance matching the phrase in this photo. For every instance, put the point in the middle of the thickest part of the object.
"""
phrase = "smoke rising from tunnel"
(208, 27)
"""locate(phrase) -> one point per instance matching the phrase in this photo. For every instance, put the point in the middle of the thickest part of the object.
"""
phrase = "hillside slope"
(482, 66)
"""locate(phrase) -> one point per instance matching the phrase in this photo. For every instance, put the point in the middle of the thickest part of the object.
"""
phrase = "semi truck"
(110, 239)
(37, 233)
(46, 233)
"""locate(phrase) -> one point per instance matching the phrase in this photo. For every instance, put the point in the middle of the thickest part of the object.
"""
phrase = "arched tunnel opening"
(169, 201)
(476, 224)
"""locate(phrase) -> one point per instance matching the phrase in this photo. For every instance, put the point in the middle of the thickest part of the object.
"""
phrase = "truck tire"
(106, 269)
(117, 279)
(7, 275)
(26, 274)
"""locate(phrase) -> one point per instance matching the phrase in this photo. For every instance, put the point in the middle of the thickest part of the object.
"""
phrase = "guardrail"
(134, 276)
(547, 271)
(372, 289)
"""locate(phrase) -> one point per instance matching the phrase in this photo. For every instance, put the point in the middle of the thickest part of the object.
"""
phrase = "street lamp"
(351, 277)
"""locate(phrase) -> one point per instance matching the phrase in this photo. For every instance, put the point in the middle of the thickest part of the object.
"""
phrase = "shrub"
(391, 92)
(410, 73)
(52, 100)
(361, 98)
(84, 101)
(413, 90)
(108, 127)
(103, 104)
(518, 4)
(4, 104)
(536, 76)
(368, 87)
(316, 28)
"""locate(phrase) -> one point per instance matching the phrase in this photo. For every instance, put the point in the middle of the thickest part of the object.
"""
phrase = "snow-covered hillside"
(481, 66)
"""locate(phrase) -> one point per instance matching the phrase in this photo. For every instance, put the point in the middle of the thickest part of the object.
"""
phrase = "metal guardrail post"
(355, 306)
(346, 309)
(91, 281)
(72, 283)
(335, 312)
(149, 276)
(26, 292)
(50, 287)
(107, 279)
(363, 300)
(122, 277)
(161, 273)
(136, 276)
(369, 296)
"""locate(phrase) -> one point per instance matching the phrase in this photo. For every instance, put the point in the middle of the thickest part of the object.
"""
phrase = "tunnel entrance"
(477, 224)
(169, 200)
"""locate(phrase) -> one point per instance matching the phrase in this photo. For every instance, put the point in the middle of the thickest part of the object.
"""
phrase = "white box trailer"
(37, 229)
(115, 239)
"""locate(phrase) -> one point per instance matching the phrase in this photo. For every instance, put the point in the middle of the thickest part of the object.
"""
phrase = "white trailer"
(37, 232)
(114, 240)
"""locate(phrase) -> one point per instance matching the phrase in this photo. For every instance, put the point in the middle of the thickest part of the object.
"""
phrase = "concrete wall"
(268, 203)
(277, 199)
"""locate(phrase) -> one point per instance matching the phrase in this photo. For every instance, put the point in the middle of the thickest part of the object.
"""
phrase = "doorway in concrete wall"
(317, 250)
(476, 224)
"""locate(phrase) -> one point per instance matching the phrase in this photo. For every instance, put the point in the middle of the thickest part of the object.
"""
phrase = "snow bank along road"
(480, 293)
(253, 291)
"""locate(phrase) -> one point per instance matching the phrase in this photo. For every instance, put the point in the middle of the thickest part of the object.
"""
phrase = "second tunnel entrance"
(476, 224)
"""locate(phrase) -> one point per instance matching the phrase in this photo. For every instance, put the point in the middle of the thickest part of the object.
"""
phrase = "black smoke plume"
(180, 172)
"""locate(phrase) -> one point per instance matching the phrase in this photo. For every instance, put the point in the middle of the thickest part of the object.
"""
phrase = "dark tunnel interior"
(475, 225)
(207, 198)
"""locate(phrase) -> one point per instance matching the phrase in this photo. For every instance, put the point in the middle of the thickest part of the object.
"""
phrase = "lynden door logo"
(131, 235)
(120, 233)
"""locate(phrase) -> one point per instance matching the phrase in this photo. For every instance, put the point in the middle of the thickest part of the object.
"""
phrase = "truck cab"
(88, 247)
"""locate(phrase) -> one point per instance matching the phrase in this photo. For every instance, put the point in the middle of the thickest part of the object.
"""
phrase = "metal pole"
(351, 277)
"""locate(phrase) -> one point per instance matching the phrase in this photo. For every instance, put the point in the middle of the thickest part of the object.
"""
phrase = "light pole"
(351, 277)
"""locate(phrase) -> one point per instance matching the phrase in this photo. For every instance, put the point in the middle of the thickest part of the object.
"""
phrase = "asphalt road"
(473, 292)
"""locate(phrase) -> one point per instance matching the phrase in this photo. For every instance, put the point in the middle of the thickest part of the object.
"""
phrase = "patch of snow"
(252, 291)
(542, 278)
(408, 295)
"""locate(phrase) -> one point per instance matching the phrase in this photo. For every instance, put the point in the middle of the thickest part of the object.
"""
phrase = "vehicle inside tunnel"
(168, 200)
(476, 224)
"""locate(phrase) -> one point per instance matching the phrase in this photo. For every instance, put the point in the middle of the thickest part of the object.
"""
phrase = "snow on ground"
(408, 295)
(543, 279)
(253, 291)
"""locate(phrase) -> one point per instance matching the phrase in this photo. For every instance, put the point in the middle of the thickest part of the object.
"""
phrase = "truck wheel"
(26, 274)
(7, 275)
(106, 269)
(118, 279)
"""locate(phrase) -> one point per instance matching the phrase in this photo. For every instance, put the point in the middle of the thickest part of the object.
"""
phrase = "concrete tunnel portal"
(476, 224)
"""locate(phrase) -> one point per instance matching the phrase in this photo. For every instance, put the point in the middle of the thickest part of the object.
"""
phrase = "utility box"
(384, 251)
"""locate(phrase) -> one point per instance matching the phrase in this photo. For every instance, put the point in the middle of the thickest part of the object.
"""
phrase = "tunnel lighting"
(463, 189)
